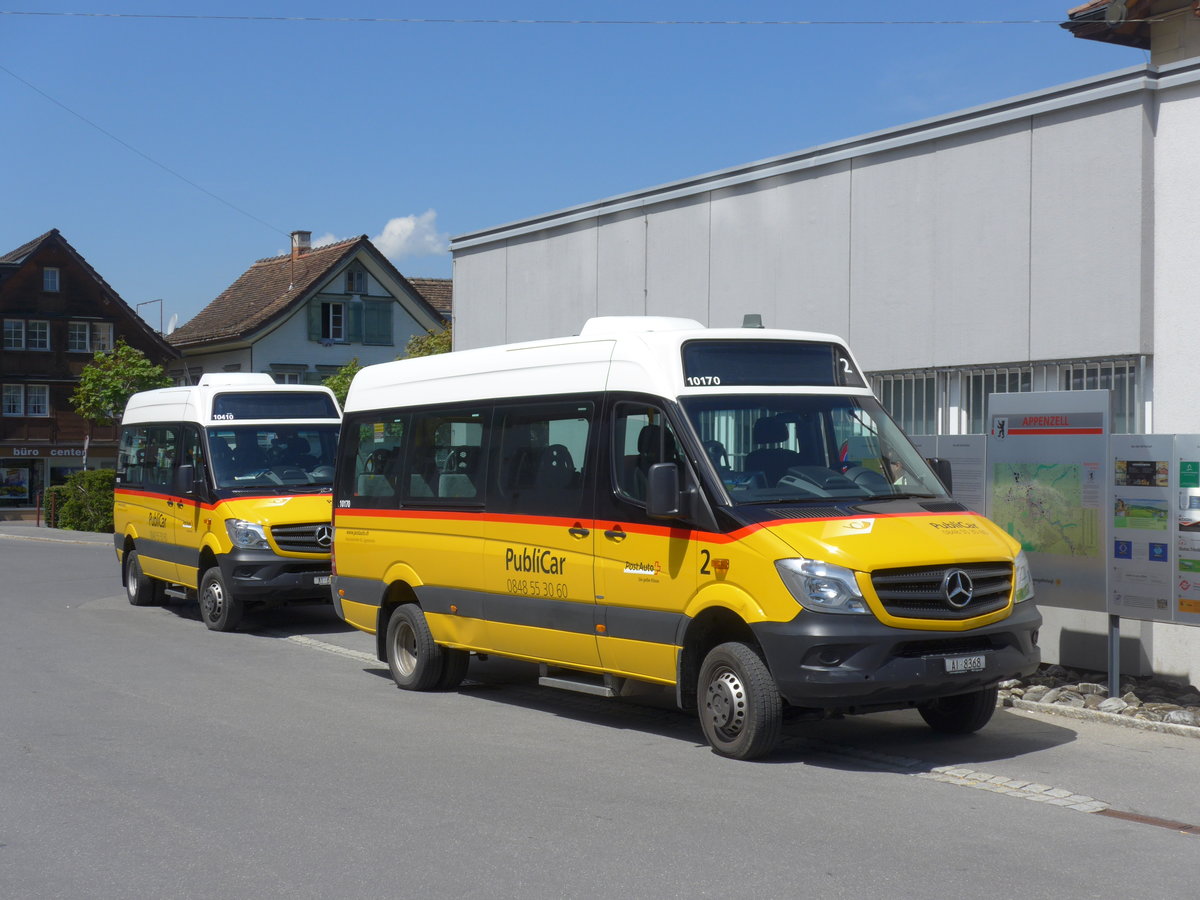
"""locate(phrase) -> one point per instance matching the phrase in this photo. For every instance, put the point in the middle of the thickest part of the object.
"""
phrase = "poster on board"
(1048, 487)
(14, 483)
(1186, 522)
(965, 453)
(1141, 578)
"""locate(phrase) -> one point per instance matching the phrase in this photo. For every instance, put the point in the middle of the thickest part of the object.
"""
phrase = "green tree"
(110, 379)
(430, 344)
(339, 381)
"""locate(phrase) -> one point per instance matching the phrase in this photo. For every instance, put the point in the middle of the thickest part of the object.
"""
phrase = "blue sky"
(173, 152)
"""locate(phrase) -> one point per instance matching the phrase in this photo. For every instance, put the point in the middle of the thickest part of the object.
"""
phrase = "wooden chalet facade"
(56, 313)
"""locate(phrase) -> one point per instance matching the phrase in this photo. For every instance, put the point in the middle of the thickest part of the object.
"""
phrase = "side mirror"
(941, 468)
(663, 499)
(185, 480)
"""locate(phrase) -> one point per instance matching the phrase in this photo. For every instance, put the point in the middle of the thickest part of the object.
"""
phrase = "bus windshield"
(785, 448)
(273, 456)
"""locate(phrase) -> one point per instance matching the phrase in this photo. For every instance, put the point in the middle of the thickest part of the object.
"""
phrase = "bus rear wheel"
(741, 712)
(414, 657)
(960, 714)
(140, 588)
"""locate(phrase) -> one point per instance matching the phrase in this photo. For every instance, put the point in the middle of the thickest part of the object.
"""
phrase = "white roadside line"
(963, 777)
(314, 644)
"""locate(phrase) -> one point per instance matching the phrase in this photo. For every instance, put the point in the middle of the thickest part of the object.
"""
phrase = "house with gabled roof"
(56, 312)
(301, 316)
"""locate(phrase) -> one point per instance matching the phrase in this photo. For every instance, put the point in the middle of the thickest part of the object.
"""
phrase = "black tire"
(219, 609)
(741, 712)
(454, 668)
(416, 660)
(140, 588)
(960, 714)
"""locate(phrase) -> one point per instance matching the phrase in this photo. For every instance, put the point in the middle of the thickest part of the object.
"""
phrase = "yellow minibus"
(726, 511)
(224, 490)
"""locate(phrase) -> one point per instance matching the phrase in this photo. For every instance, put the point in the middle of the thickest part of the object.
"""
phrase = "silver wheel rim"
(725, 703)
(214, 601)
(404, 649)
(132, 577)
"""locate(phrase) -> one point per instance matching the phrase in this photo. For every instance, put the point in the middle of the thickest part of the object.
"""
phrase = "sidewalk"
(30, 530)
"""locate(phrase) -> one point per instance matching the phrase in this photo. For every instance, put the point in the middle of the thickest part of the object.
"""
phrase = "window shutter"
(355, 334)
(314, 320)
(377, 322)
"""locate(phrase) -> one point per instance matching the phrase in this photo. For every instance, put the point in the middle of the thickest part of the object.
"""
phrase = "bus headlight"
(1023, 587)
(247, 535)
(822, 587)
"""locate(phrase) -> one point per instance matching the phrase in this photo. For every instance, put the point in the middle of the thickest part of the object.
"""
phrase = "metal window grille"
(955, 401)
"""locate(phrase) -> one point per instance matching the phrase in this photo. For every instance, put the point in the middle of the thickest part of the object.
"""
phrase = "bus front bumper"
(853, 663)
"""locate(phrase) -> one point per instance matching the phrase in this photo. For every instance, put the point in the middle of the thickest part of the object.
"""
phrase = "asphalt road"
(144, 756)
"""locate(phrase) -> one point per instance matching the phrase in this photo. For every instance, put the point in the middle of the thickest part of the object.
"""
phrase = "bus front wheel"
(741, 712)
(219, 609)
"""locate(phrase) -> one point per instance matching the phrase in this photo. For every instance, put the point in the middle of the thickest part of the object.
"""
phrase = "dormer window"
(50, 279)
(356, 281)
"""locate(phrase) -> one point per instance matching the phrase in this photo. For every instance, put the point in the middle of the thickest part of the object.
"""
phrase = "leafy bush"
(87, 501)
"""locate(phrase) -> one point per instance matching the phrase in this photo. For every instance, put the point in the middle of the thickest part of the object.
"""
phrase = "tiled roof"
(439, 292)
(18, 255)
(1090, 21)
(265, 290)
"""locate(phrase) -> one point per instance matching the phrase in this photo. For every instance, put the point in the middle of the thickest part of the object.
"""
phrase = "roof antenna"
(752, 320)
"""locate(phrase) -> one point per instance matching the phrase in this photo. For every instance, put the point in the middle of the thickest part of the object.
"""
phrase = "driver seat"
(772, 461)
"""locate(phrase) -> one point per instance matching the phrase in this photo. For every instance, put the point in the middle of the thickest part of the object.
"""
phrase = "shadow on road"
(279, 622)
(894, 741)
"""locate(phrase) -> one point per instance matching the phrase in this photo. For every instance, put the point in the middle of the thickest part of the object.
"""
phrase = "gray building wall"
(989, 236)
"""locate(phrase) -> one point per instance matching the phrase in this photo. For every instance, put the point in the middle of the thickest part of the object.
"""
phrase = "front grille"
(916, 592)
(951, 646)
(299, 538)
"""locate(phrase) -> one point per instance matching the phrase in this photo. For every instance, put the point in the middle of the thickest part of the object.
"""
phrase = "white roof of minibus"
(615, 353)
(193, 403)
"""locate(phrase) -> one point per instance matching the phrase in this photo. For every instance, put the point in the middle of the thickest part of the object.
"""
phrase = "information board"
(1048, 487)
(966, 455)
(1186, 520)
(1141, 575)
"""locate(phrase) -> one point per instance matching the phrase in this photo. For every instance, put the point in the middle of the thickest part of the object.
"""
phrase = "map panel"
(1042, 506)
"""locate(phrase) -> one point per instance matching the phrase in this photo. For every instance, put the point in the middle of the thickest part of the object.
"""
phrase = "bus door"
(189, 528)
(158, 514)
(541, 599)
(646, 569)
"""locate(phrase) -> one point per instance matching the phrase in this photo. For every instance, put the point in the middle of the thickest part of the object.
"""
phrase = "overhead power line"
(128, 146)
(396, 20)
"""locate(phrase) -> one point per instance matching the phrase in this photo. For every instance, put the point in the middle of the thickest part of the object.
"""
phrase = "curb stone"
(1091, 715)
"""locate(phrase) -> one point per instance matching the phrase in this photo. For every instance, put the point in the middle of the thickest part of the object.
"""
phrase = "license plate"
(320, 579)
(965, 664)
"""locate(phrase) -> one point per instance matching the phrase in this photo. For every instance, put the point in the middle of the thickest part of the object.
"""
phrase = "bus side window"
(444, 456)
(543, 458)
(377, 459)
(159, 455)
(641, 437)
(131, 456)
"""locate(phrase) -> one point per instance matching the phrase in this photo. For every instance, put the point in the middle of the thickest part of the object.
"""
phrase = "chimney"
(301, 243)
